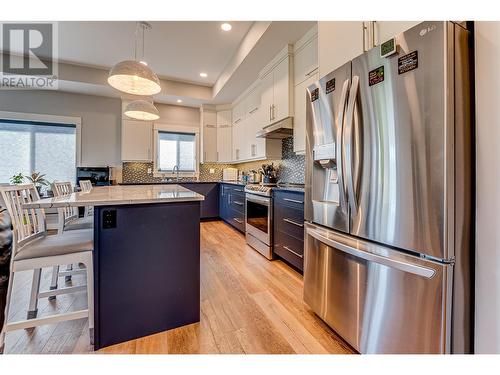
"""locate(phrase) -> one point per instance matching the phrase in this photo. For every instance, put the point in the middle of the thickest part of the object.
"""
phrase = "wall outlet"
(149, 170)
(212, 171)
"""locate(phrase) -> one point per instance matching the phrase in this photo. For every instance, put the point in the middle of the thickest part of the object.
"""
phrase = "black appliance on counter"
(99, 176)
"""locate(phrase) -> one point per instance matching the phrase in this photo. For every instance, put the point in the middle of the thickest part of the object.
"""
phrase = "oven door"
(258, 217)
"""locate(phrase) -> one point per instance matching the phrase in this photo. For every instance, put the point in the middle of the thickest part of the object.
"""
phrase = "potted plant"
(38, 180)
(17, 179)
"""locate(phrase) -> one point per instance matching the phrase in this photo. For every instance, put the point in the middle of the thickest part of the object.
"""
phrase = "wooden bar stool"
(68, 219)
(33, 249)
(86, 186)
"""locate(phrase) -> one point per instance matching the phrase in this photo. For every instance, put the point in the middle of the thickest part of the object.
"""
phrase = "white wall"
(101, 119)
(487, 314)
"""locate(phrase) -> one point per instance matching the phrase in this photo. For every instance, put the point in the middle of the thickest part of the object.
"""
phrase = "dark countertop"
(169, 183)
(295, 189)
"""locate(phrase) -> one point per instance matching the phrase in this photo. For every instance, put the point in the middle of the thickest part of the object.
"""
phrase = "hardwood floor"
(248, 305)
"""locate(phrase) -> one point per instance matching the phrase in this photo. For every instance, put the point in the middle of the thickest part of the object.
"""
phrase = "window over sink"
(175, 147)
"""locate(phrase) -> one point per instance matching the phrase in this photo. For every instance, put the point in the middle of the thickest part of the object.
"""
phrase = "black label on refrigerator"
(408, 62)
(376, 76)
(330, 86)
(314, 94)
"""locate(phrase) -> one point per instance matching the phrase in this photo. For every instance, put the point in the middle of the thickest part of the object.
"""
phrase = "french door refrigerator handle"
(348, 145)
(393, 263)
(339, 148)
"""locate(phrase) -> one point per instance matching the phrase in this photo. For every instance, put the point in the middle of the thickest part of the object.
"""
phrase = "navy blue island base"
(146, 269)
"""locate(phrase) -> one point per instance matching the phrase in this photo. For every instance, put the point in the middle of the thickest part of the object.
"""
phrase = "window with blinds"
(48, 148)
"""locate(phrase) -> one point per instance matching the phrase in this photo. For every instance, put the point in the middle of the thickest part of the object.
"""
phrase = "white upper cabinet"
(224, 136)
(339, 42)
(239, 111)
(305, 73)
(299, 119)
(385, 30)
(305, 56)
(209, 138)
(282, 91)
(267, 98)
(137, 140)
(277, 88)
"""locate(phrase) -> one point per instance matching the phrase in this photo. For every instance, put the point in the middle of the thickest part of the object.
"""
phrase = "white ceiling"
(176, 51)
(173, 49)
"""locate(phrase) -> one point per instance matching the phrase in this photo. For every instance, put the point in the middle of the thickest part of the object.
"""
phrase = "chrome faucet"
(175, 170)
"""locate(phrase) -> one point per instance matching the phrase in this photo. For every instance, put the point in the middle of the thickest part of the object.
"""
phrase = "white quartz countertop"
(120, 195)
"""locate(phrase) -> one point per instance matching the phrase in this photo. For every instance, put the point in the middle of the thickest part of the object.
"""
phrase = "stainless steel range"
(259, 218)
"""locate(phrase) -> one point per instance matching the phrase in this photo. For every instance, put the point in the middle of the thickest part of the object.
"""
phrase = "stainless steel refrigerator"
(388, 195)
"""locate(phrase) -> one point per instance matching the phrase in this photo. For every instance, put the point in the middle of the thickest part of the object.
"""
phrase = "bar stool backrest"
(28, 223)
(63, 189)
(85, 185)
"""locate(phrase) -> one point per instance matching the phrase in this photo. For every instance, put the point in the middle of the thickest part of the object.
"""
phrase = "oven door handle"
(257, 199)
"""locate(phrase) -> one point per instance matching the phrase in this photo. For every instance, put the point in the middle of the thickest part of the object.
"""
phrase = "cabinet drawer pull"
(293, 222)
(240, 190)
(238, 120)
(239, 221)
(293, 200)
(293, 252)
(238, 203)
(253, 110)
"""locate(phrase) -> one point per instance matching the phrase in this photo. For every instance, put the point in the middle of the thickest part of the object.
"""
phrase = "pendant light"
(133, 76)
(142, 110)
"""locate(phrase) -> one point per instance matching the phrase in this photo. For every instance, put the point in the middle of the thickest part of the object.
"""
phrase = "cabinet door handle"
(293, 252)
(238, 120)
(373, 33)
(293, 200)
(239, 221)
(217, 155)
(253, 110)
(240, 190)
(273, 111)
(270, 111)
(293, 222)
(204, 156)
(311, 72)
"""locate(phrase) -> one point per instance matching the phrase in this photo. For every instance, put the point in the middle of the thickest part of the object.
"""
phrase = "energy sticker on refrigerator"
(376, 76)
(408, 62)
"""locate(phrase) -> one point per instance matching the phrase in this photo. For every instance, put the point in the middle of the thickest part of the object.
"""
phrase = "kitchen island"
(146, 258)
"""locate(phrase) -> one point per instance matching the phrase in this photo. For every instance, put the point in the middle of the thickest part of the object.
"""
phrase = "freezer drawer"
(369, 294)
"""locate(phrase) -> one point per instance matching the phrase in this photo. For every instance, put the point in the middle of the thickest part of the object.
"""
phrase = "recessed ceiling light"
(226, 26)
(204, 75)
(179, 101)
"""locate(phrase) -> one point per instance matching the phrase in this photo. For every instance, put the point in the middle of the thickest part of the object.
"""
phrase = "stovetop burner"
(260, 189)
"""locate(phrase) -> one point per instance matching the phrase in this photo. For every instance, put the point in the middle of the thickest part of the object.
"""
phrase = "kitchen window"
(51, 148)
(176, 148)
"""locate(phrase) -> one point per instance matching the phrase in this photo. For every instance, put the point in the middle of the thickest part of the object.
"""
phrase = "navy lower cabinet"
(232, 205)
(146, 269)
(289, 226)
(210, 206)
